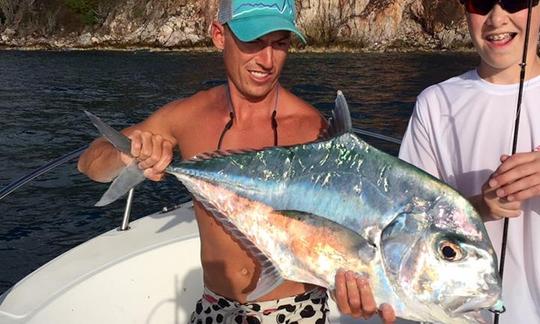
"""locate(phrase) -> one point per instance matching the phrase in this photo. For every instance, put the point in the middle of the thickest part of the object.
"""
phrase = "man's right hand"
(153, 153)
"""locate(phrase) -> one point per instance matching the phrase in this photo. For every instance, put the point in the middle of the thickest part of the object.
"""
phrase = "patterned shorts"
(308, 308)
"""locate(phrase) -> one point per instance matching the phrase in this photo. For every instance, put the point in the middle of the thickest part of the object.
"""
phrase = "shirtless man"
(252, 111)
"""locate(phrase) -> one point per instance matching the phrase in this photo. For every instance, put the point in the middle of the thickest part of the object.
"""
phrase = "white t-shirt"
(458, 131)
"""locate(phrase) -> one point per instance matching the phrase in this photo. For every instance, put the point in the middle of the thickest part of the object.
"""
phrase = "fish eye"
(450, 251)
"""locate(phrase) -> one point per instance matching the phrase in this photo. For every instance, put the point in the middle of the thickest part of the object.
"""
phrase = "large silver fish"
(306, 211)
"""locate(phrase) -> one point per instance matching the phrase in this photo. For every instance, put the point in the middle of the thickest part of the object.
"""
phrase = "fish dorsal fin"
(340, 122)
(217, 154)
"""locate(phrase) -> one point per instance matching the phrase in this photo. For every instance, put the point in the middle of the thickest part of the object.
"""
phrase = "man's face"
(499, 36)
(254, 67)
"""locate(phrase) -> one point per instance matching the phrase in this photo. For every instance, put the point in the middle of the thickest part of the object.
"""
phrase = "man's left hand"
(354, 297)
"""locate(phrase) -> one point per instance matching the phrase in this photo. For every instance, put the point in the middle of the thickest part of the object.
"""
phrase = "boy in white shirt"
(461, 131)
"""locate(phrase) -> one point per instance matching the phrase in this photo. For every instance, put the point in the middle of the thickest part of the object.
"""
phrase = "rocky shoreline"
(179, 25)
(209, 49)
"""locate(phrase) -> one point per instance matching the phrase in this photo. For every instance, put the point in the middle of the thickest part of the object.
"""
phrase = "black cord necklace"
(231, 118)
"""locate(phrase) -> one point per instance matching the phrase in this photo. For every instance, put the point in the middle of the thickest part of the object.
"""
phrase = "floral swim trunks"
(310, 308)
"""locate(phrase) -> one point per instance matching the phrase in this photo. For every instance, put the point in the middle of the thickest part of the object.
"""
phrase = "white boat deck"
(149, 274)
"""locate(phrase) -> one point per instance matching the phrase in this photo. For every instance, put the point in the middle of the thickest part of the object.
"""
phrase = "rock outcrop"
(173, 24)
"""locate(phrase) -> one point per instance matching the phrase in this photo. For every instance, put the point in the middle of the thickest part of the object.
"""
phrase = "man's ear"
(218, 35)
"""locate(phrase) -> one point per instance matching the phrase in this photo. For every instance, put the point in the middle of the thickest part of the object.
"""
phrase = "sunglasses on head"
(483, 7)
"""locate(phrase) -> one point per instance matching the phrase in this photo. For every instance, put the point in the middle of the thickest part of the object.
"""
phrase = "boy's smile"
(500, 38)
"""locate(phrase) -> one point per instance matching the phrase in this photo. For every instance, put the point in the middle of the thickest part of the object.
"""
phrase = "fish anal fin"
(269, 279)
(270, 276)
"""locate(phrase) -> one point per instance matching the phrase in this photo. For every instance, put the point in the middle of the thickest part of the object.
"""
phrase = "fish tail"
(128, 178)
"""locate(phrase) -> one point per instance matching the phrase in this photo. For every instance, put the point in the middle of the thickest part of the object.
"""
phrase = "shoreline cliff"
(329, 25)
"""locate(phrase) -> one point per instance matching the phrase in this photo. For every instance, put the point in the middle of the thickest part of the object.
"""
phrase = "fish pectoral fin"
(269, 280)
(128, 178)
(336, 233)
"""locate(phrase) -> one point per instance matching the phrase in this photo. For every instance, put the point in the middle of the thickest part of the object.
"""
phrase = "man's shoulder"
(297, 107)
(300, 121)
(179, 115)
(304, 115)
(188, 110)
(201, 100)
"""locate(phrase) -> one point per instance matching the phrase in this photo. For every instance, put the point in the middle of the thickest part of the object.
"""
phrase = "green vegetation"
(84, 8)
(91, 12)
(46, 17)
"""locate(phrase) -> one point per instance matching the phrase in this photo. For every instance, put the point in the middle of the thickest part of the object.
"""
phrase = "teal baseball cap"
(252, 19)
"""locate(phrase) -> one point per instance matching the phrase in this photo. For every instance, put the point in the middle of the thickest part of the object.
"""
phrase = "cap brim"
(249, 29)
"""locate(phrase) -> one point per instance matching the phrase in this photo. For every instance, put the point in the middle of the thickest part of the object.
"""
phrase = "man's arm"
(101, 161)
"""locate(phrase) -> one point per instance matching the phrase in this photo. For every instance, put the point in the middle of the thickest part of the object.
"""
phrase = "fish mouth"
(498, 308)
(495, 306)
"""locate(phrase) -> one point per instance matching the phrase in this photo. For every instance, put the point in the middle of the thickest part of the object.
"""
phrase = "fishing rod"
(523, 66)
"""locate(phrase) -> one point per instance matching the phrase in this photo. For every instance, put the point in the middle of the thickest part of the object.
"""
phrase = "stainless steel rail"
(385, 138)
(127, 211)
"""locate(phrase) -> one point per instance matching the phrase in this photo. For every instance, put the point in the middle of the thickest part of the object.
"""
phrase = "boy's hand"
(516, 180)
(494, 207)
(153, 153)
(518, 177)
(353, 297)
